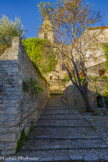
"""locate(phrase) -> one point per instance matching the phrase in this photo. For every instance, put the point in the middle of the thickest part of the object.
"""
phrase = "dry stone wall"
(18, 108)
(95, 89)
(74, 98)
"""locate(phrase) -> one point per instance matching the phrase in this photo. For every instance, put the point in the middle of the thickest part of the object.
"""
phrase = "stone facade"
(95, 65)
(55, 77)
(18, 108)
(96, 89)
(94, 59)
(73, 97)
(46, 31)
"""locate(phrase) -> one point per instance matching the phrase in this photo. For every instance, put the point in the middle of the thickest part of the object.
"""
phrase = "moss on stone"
(20, 142)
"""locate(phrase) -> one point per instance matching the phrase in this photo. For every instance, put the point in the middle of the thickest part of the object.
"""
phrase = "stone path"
(63, 134)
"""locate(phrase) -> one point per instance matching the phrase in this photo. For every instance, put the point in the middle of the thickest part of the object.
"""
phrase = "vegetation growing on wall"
(105, 48)
(24, 137)
(34, 87)
(20, 142)
(8, 30)
(66, 78)
(41, 55)
(95, 83)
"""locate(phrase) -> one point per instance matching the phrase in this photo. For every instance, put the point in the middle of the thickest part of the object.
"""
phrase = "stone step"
(68, 123)
(60, 116)
(57, 111)
(54, 144)
(49, 119)
(62, 126)
(86, 155)
(66, 138)
(58, 107)
(80, 132)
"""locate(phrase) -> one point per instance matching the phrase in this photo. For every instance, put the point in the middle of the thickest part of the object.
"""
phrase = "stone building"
(55, 77)
(94, 62)
(46, 31)
(95, 66)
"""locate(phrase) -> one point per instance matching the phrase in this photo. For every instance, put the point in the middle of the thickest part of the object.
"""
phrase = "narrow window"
(63, 67)
(51, 77)
(101, 72)
(58, 77)
(45, 35)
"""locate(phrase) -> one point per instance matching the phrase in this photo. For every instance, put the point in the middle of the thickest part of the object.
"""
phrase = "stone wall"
(18, 108)
(55, 79)
(96, 89)
(74, 98)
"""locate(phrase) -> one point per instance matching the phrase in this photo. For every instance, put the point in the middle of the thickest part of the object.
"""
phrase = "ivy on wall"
(41, 54)
(32, 86)
(105, 49)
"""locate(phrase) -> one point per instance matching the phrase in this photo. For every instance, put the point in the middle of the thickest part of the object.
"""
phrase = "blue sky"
(29, 13)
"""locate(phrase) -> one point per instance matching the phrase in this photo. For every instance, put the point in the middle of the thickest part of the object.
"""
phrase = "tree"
(8, 30)
(70, 21)
(42, 56)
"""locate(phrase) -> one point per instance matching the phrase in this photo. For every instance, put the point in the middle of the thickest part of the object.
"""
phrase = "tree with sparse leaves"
(70, 20)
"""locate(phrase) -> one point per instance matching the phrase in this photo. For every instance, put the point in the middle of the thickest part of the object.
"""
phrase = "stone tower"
(46, 31)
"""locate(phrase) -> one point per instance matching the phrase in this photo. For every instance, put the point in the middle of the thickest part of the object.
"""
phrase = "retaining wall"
(18, 106)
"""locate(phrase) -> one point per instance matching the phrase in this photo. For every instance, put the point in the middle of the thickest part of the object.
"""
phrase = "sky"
(30, 16)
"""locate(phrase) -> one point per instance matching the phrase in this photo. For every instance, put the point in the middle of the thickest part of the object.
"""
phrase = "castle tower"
(46, 31)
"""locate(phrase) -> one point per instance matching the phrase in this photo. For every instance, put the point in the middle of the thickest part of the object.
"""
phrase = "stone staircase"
(63, 135)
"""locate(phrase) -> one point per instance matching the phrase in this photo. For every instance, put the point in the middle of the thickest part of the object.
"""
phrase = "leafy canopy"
(42, 56)
(8, 30)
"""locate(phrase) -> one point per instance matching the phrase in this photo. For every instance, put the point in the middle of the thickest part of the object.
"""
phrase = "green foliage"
(20, 142)
(23, 137)
(82, 80)
(31, 127)
(42, 56)
(105, 49)
(66, 78)
(97, 79)
(56, 94)
(8, 30)
(40, 73)
(34, 87)
(106, 91)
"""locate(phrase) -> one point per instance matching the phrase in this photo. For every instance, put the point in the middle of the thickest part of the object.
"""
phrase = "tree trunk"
(87, 103)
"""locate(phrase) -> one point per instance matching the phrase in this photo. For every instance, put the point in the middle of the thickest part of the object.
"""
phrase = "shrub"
(41, 55)
(8, 30)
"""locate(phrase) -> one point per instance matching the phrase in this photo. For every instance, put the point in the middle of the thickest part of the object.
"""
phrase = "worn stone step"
(81, 154)
(49, 119)
(68, 123)
(51, 126)
(58, 107)
(66, 138)
(54, 109)
(63, 132)
(60, 116)
(57, 111)
(54, 144)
